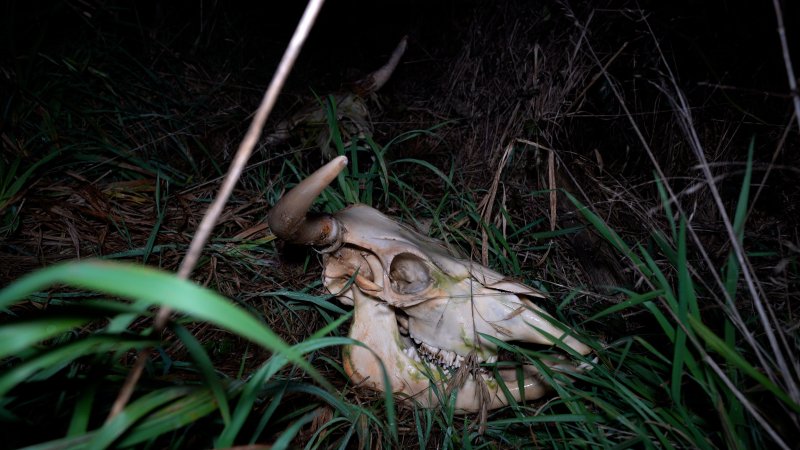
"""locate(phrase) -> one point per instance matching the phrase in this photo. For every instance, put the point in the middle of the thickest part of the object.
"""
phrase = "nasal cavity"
(409, 274)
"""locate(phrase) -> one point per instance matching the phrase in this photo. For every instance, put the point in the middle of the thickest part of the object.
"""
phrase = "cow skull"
(418, 308)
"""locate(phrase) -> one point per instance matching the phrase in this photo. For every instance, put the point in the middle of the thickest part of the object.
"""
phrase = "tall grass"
(687, 390)
(683, 384)
(257, 361)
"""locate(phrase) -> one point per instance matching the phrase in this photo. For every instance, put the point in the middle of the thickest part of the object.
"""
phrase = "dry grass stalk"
(237, 166)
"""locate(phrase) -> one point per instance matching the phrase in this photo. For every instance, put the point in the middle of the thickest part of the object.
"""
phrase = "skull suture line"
(419, 308)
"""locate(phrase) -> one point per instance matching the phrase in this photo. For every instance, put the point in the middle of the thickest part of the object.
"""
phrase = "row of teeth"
(444, 358)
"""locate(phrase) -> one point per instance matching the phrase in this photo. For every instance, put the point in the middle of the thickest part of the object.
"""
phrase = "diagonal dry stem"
(780, 353)
(787, 60)
(751, 283)
(234, 172)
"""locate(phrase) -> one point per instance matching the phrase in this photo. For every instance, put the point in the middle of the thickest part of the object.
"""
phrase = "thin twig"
(234, 172)
(771, 165)
(487, 204)
(787, 60)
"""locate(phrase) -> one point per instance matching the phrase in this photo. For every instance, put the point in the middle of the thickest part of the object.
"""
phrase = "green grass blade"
(197, 403)
(633, 300)
(740, 215)
(206, 367)
(544, 418)
(54, 359)
(610, 235)
(733, 357)
(160, 211)
(189, 408)
(247, 399)
(141, 407)
(17, 336)
(667, 204)
(430, 167)
(10, 189)
(154, 287)
(291, 431)
(79, 424)
(685, 294)
(732, 269)
(320, 301)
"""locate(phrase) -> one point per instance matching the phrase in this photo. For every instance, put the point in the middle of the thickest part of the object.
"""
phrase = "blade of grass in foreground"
(206, 367)
(59, 357)
(140, 408)
(143, 420)
(733, 357)
(22, 335)
(154, 287)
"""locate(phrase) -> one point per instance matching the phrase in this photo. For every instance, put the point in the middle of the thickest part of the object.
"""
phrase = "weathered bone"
(418, 307)
(378, 78)
(289, 219)
(351, 107)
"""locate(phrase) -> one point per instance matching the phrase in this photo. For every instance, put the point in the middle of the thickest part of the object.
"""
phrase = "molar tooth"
(426, 349)
(430, 353)
(492, 359)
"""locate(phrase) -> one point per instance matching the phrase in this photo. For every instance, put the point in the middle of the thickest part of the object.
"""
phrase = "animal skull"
(418, 308)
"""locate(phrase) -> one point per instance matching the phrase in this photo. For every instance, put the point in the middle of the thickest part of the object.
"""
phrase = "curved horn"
(381, 76)
(289, 218)
(375, 80)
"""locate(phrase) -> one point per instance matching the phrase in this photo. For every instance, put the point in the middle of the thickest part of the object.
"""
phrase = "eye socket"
(408, 274)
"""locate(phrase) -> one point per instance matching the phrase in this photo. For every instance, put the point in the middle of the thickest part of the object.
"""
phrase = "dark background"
(726, 41)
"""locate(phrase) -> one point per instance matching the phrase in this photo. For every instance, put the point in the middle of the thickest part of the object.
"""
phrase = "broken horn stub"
(290, 220)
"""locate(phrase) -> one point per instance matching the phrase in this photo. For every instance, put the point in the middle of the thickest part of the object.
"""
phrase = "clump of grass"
(82, 328)
(653, 390)
(691, 391)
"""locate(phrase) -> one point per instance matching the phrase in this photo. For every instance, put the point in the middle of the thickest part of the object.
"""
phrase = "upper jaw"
(454, 321)
(426, 338)
(413, 365)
